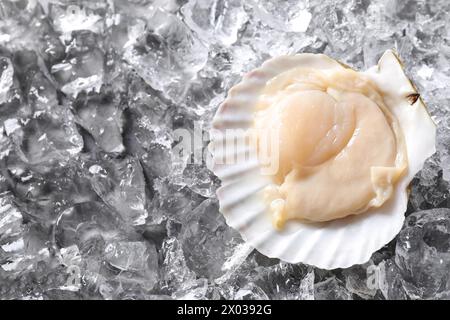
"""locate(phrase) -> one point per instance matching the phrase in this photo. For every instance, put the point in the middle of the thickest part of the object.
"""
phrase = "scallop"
(315, 158)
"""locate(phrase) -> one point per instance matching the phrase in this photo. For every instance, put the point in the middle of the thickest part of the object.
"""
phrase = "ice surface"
(96, 98)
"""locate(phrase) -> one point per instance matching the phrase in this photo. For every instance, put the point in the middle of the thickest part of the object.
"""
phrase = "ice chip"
(174, 268)
(307, 287)
(6, 78)
(10, 219)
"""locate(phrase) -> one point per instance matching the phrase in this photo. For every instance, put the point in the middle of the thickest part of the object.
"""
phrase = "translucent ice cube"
(216, 21)
(167, 55)
(121, 185)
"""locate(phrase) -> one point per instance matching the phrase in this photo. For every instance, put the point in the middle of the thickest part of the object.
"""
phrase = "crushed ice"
(95, 97)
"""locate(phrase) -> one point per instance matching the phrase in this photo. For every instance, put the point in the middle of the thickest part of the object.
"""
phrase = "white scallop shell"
(335, 244)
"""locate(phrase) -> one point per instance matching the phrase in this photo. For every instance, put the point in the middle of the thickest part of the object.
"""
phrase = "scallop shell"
(329, 245)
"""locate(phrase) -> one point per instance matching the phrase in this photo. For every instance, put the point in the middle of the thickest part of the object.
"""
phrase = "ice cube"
(250, 292)
(101, 116)
(173, 201)
(216, 21)
(174, 268)
(390, 281)
(207, 240)
(358, 280)
(192, 290)
(266, 42)
(281, 281)
(291, 15)
(49, 137)
(127, 256)
(137, 262)
(200, 180)
(167, 55)
(88, 225)
(331, 289)
(423, 253)
(121, 185)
